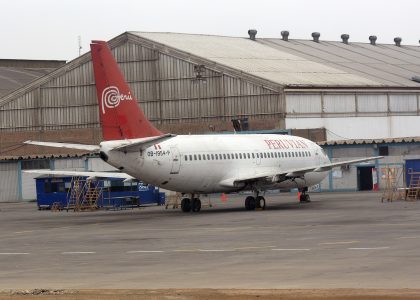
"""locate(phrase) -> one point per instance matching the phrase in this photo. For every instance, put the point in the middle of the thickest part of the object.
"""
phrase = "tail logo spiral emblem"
(111, 97)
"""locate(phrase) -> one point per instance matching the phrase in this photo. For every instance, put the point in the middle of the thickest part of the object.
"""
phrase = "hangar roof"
(303, 63)
(17, 73)
(371, 141)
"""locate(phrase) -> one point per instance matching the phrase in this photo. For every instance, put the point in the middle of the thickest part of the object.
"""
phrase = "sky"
(49, 29)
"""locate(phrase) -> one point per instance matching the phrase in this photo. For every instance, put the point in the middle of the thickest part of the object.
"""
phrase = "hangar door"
(8, 181)
(411, 166)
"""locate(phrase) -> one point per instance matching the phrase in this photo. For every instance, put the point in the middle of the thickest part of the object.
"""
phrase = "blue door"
(411, 165)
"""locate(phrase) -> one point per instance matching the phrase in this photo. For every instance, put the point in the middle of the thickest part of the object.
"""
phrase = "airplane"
(193, 164)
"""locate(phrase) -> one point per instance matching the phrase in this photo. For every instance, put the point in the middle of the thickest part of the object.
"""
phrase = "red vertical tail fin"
(121, 117)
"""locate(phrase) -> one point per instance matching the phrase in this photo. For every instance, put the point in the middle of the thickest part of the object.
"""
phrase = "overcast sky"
(49, 29)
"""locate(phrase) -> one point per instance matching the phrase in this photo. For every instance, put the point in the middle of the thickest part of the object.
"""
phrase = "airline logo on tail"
(111, 97)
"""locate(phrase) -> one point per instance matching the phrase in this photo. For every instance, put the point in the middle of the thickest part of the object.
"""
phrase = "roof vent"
(373, 39)
(316, 36)
(285, 35)
(252, 33)
(397, 41)
(345, 37)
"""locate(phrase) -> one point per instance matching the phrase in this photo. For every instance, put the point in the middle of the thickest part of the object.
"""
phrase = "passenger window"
(186, 157)
(204, 157)
(236, 155)
(195, 156)
(265, 155)
(272, 155)
(212, 157)
(240, 155)
(224, 156)
(199, 156)
(190, 157)
(216, 156)
(253, 156)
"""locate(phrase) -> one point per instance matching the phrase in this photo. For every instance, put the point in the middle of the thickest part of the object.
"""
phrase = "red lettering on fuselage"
(286, 144)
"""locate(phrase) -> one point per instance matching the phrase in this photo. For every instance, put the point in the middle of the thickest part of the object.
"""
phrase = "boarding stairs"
(413, 190)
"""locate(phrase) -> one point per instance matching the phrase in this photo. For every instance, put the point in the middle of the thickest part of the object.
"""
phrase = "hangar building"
(198, 83)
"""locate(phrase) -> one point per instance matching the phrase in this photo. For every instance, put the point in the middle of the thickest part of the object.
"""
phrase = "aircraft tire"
(248, 201)
(260, 202)
(196, 205)
(186, 205)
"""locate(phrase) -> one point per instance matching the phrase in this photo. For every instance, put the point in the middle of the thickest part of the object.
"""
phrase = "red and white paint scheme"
(194, 164)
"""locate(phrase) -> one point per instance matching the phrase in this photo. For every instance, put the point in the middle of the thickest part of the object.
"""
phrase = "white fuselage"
(201, 163)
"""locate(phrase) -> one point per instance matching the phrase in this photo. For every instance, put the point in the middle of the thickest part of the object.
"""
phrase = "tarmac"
(339, 240)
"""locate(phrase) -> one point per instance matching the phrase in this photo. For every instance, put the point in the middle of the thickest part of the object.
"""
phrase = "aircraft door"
(176, 160)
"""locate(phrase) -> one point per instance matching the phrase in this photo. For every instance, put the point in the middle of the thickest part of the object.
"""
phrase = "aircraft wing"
(273, 177)
(64, 145)
(81, 173)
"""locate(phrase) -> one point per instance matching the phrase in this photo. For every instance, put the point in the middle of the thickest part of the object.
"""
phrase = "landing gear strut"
(193, 204)
(252, 203)
(304, 197)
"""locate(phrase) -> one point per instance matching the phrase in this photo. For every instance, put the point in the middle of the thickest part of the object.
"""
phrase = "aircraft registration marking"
(158, 153)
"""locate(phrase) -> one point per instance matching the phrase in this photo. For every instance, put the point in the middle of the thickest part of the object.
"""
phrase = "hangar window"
(35, 164)
(383, 150)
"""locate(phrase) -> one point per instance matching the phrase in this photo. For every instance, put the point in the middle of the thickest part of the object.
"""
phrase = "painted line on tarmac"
(216, 250)
(14, 253)
(409, 237)
(291, 249)
(253, 248)
(339, 243)
(24, 231)
(78, 252)
(369, 248)
(145, 251)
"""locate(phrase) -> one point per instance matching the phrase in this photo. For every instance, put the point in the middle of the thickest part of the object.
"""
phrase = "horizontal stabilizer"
(141, 144)
(64, 145)
(91, 174)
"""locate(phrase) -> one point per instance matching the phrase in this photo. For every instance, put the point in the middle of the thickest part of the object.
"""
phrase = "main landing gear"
(304, 197)
(193, 204)
(254, 202)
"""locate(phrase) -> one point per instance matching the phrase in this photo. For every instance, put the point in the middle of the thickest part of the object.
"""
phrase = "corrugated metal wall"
(352, 104)
(8, 181)
(166, 87)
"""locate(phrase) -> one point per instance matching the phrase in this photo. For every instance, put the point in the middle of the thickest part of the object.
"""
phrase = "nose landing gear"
(191, 204)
